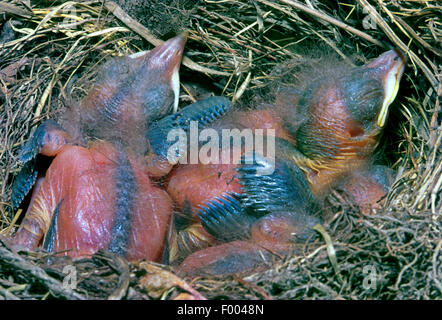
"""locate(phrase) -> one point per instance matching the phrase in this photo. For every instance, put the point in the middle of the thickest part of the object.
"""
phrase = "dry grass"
(48, 55)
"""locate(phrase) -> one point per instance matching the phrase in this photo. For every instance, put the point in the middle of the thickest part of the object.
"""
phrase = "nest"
(49, 51)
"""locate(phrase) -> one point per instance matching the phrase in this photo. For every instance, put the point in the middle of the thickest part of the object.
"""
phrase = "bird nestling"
(97, 192)
(326, 129)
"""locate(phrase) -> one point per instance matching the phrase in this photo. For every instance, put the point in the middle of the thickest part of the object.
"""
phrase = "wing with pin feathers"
(203, 112)
(272, 189)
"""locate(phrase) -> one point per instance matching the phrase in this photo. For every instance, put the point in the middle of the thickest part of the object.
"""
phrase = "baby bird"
(97, 192)
(325, 133)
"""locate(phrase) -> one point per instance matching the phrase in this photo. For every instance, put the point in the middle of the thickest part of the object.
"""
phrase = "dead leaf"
(158, 280)
(8, 73)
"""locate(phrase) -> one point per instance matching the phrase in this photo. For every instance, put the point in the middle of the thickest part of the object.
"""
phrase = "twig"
(52, 284)
(121, 266)
(417, 37)
(146, 34)
(330, 249)
(395, 39)
(331, 20)
(9, 8)
(252, 286)
(8, 295)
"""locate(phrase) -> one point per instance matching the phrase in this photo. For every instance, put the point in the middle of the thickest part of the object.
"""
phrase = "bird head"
(343, 114)
(159, 69)
(132, 91)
